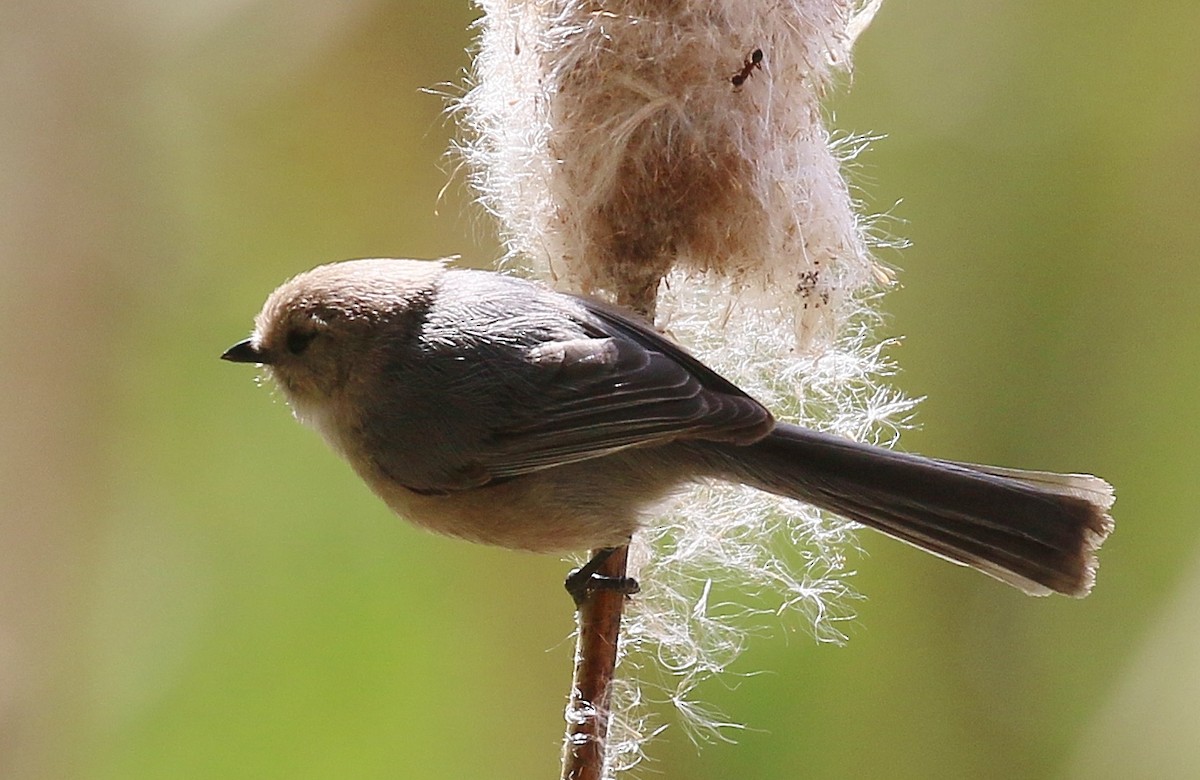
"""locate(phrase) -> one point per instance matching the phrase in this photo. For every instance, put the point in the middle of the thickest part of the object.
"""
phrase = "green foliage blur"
(193, 586)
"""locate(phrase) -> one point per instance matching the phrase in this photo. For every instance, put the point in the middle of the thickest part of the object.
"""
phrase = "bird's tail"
(1035, 530)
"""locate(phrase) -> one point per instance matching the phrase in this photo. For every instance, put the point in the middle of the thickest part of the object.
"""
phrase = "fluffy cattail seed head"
(613, 145)
(644, 151)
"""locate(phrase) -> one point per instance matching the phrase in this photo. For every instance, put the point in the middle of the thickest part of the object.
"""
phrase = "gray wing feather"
(627, 386)
(506, 390)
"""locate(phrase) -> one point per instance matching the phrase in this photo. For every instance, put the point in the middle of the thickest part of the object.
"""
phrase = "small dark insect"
(749, 65)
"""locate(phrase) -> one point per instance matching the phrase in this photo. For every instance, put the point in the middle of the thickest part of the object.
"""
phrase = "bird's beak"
(244, 352)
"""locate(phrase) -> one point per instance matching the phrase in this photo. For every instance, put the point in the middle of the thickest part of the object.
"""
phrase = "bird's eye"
(298, 340)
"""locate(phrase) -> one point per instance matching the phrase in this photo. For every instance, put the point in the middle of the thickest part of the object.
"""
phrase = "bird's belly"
(596, 503)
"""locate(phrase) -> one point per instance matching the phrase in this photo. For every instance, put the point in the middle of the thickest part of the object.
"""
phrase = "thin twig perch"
(589, 711)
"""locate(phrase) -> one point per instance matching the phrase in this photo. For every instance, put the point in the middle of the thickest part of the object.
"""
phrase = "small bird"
(494, 409)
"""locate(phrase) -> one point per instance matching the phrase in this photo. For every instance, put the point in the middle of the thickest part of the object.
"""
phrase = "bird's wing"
(623, 385)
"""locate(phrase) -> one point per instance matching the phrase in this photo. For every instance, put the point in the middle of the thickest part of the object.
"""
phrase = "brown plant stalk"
(589, 711)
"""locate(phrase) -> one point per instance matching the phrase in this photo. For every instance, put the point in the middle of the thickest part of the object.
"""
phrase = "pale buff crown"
(313, 328)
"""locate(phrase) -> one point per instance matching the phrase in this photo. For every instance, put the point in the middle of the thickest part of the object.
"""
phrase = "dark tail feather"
(1034, 530)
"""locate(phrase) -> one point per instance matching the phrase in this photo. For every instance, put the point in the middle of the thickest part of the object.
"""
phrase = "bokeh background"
(192, 586)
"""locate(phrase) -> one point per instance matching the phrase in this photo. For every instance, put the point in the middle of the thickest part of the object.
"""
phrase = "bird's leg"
(582, 581)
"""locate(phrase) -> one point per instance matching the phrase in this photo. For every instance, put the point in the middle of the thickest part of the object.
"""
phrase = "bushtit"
(494, 409)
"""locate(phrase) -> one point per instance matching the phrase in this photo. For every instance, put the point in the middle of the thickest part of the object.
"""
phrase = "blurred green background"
(193, 586)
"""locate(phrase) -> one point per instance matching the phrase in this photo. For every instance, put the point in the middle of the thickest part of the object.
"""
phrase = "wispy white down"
(644, 151)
